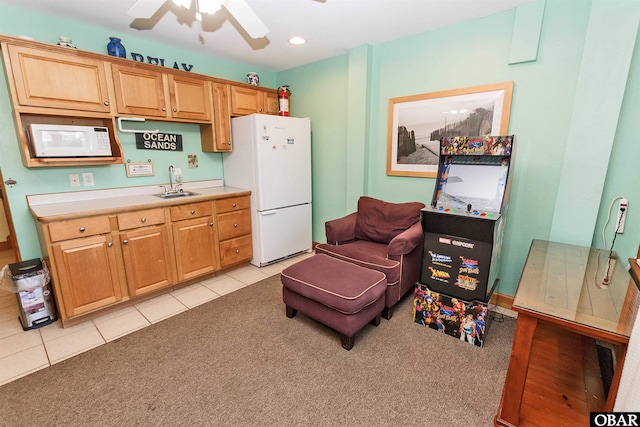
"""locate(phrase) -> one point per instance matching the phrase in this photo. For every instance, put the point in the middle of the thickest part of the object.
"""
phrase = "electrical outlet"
(608, 271)
(74, 180)
(622, 215)
(87, 178)
(177, 173)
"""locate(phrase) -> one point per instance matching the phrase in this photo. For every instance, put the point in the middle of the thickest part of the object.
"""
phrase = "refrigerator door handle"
(271, 212)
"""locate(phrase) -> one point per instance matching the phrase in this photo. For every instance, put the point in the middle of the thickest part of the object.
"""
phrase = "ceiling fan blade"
(247, 18)
(145, 9)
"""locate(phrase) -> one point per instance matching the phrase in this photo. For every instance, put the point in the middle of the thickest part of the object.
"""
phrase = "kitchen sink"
(176, 194)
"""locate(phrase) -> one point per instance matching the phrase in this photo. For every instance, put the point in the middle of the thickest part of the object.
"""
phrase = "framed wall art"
(417, 122)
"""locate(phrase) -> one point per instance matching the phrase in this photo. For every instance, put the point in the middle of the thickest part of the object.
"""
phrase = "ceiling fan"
(239, 9)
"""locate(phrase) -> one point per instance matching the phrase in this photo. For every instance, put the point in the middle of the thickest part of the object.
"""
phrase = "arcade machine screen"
(474, 187)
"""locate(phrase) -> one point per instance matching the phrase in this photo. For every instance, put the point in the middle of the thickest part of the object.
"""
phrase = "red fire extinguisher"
(283, 100)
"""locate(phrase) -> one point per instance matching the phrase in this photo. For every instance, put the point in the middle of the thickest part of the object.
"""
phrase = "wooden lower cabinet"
(147, 259)
(233, 251)
(87, 274)
(194, 240)
(105, 260)
(234, 230)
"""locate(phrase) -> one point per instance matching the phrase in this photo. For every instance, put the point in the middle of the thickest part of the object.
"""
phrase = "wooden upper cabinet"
(139, 91)
(190, 98)
(217, 137)
(148, 93)
(246, 101)
(271, 103)
(45, 78)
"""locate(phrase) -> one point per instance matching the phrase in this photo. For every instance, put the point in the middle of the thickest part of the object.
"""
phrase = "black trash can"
(32, 284)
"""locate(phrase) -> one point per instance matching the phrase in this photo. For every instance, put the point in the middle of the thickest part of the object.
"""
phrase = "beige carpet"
(239, 361)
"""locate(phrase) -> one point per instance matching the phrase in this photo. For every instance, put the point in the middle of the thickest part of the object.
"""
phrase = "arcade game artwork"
(463, 230)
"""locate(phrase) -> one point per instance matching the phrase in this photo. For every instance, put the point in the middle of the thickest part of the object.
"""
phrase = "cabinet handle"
(125, 241)
(193, 212)
(82, 229)
(106, 103)
(234, 205)
(211, 224)
(110, 244)
(235, 225)
(164, 108)
(175, 110)
(144, 220)
(237, 251)
(229, 143)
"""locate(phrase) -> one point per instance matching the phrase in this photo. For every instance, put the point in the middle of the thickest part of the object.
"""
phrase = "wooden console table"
(560, 285)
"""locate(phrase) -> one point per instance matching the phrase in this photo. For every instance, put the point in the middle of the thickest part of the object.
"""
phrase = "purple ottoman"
(336, 293)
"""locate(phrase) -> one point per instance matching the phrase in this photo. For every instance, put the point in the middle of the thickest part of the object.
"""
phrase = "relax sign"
(158, 61)
(158, 141)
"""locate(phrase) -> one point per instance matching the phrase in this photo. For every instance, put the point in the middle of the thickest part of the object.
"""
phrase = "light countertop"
(61, 206)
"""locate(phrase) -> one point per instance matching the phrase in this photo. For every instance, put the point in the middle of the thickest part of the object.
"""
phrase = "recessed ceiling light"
(297, 40)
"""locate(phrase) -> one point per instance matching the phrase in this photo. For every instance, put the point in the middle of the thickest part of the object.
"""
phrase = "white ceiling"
(332, 27)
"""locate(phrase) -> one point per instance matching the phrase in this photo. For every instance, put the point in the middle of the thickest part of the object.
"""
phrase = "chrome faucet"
(171, 190)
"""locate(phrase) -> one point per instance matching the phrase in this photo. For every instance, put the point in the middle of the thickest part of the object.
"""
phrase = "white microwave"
(69, 141)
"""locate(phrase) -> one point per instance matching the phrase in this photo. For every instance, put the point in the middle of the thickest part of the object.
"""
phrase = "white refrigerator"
(272, 157)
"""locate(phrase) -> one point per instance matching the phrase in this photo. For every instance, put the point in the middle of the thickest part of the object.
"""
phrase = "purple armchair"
(382, 236)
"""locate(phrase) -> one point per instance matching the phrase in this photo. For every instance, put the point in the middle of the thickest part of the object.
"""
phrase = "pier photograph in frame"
(418, 122)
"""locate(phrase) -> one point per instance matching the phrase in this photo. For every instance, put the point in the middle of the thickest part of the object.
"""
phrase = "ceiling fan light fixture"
(297, 40)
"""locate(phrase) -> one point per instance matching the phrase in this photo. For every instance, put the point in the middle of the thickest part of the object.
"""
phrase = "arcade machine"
(463, 229)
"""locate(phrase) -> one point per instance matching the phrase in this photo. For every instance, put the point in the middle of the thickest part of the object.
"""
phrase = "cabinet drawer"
(137, 219)
(235, 250)
(234, 224)
(194, 210)
(82, 227)
(232, 204)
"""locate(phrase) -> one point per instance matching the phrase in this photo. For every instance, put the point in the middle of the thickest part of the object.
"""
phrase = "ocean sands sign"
(158, 141)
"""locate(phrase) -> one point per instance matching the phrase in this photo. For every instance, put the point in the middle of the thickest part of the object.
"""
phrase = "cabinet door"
(194, 245)
(139, 92)
(271, 103)
(221, 118)
(245, 101)
(190, 98)
(87, 274)
(147, 259)
(55, 80)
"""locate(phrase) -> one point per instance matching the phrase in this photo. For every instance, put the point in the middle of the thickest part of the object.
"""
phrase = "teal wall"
(543, 113)
(16, 21)
(347, 99)
(319, 91)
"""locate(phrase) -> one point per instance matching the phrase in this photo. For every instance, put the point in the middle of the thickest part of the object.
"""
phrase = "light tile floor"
(24, 352)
